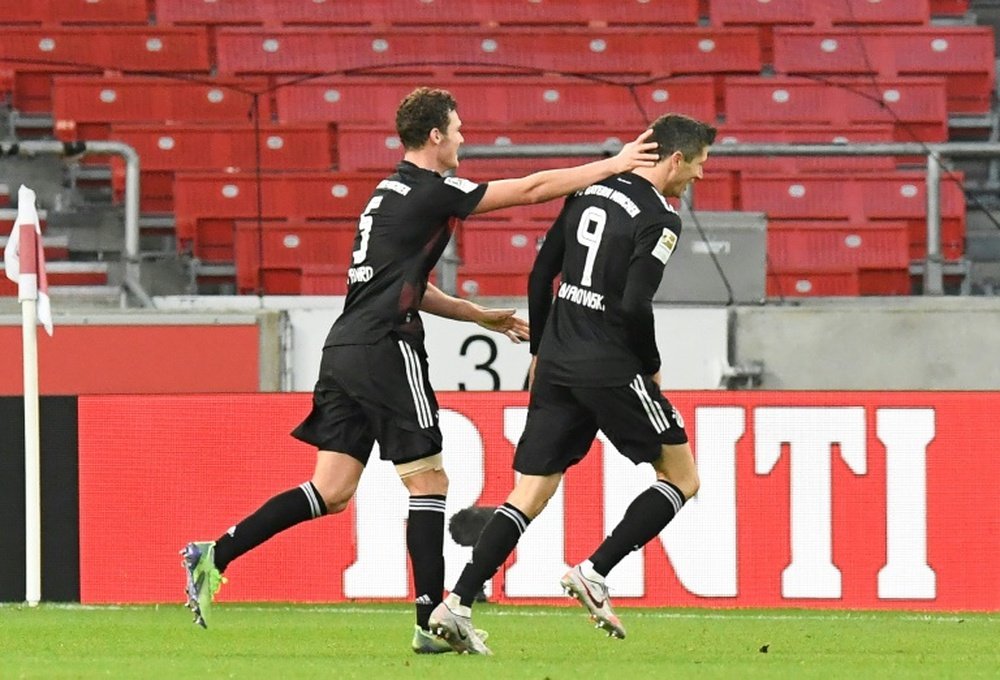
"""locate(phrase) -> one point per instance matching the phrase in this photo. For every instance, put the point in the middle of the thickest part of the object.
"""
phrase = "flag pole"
(32, 461)
(24, 262)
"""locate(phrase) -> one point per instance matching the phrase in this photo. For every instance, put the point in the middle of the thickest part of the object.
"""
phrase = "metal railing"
(933, 282)
(131, 283)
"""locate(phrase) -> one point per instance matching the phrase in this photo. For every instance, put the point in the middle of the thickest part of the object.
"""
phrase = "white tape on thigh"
(415, 467)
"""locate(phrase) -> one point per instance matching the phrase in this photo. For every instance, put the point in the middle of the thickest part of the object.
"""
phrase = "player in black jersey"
(596, 366)
(373, 382)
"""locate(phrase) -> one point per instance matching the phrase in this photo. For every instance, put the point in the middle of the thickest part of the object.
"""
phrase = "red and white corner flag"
(24, 257)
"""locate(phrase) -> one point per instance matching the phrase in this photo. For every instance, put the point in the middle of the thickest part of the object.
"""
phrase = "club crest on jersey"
(461, 184)
(665, 246)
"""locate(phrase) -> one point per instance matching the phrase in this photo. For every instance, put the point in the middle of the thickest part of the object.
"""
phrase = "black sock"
(425, 543)
(279, 513)
(645, 518)
(495, 544)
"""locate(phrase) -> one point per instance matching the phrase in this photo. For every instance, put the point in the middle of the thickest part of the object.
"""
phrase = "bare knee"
(336, 497)
(532, 493)
(688, 484)
(676, 465)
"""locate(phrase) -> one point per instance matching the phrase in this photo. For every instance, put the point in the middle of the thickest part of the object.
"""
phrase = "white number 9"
(589, 233)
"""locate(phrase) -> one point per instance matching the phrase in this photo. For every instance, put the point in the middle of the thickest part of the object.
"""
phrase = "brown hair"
(420, 112)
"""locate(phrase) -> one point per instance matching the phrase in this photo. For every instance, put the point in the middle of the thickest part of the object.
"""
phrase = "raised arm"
(503, 321)
(548, 184)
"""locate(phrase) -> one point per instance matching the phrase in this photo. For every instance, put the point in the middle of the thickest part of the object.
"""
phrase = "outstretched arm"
(503, 321)
(548, 184)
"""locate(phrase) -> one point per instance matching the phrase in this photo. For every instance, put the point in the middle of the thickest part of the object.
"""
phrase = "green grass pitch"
(371, 641)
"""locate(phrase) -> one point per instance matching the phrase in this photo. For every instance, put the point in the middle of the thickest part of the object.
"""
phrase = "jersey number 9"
(589, 233)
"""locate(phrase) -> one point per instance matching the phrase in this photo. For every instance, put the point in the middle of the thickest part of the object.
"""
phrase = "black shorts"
(563, 422)
(369, 393)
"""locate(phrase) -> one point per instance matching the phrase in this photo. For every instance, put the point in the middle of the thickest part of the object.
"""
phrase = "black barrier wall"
(60, 500)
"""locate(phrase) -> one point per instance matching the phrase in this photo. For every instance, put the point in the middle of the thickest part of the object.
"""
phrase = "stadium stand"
(169, 149)
(35, 55)
(430, 13)
(604, 51)
(292, 257)
(86, 107)
(521, 102)
(263, 126)
(916, 107)
(207, 205)
(963, 55)
(75, 12)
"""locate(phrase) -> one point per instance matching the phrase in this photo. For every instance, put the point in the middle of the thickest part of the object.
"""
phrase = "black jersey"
(401, 234)
(610, 244)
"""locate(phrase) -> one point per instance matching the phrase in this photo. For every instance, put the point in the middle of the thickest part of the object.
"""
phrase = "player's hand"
(503, 321)
(637, 154)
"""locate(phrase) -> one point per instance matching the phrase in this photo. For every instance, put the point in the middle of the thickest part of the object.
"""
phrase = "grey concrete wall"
(950, 343)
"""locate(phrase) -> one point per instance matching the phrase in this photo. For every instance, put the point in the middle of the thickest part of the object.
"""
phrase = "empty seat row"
(209, 205)
(963, 55)
(610, 51)
(430, 12)
(69, 12)
(166, 149)
(85, 106)
(488, 12)
(30, 57)
(805, 258)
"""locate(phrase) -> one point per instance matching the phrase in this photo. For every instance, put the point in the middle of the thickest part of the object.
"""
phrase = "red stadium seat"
(806, 134)
(430, 13)
(500, 102)
(493, 280)
(63, 274)
(111, 12)
(208, 205)
(166, 150)
(861, 198)
(964, 55)
(507, 244)
(378, 148)
(838, 281)
(36, 54)
(271, 255)
(86, 107)
(949, 8)
(916, 107)
(798, 245)
(818, 12)
(608, 51)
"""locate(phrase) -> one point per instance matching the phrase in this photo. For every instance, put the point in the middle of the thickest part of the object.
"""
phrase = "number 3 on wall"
(589, 233)
(486, 366)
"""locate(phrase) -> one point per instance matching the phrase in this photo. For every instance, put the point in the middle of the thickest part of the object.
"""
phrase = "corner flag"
(24, 257)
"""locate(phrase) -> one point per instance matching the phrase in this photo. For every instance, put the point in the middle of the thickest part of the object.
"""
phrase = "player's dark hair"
(675, 132)
(420, 112)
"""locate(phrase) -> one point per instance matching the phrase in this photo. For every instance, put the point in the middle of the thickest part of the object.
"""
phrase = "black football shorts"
(369, 393)
(563, 422)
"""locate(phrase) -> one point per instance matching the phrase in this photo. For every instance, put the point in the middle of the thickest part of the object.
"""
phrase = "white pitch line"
(524, 611)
